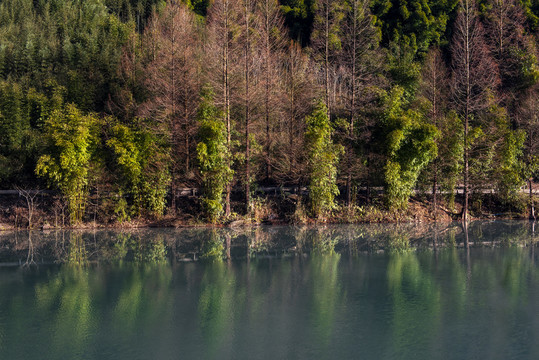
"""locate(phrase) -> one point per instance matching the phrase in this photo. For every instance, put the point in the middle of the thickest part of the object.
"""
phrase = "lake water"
(336, 292)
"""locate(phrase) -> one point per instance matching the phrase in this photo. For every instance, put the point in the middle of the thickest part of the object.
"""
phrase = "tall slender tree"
(322, 157)
(512, 50)
(174, 82)
(528, 119)
(247, 19)
(272, 45)
(361, 62)
(299, 90)
(212, 156)
(475, 76)
(435, 88)
(326, 41)
(222, 49)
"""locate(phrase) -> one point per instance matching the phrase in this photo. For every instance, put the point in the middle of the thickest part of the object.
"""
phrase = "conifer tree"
(326, 42)
(172, 77)
(361, 61)
(272, 45)
(435, 90)
(299, 90)
(475, 76)
(222, 51)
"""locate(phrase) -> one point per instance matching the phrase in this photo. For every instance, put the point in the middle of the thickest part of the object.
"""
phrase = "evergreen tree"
(66, 163)
(141, 163)
(418, 23)
(409, 145)
(322, 157)
(212, 153)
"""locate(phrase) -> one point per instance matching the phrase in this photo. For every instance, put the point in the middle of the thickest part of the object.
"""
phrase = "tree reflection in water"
(120, 291)
(218, 301)
(213, 247)
(165, 245)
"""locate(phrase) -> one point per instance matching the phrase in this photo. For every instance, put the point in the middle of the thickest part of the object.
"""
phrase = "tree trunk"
(326, 59)
(532, 206)
(267, 89)
(434, 193)
(466, 115)
(186, 124)
(227, 110)
(173, 117)
(247, 111)
(352, 110)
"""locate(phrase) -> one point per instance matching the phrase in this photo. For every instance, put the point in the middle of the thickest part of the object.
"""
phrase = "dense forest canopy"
(141, 97)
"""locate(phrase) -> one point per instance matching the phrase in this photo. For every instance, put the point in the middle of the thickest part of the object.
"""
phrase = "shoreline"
(173, 223)
(271, 210)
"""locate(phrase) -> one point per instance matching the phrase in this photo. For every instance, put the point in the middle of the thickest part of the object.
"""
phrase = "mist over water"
(370, 292)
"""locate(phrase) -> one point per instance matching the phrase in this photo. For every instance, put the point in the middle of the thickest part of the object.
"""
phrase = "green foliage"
(76, 42)
(404, 70)
(149, 252)
(511, 169)
(13, 128)
(418, 22)
(92, 54)
(299, 15)
(450, 153)
(21, 120)
(200, 7)
(505, 155)
(66, 163)
(528, 67)
(121, 209)
(142, 168)
(531, 10)
(213, 156)
(135, 11)
(409, 145)
(322, 156)
(328, 17)
(213, 247)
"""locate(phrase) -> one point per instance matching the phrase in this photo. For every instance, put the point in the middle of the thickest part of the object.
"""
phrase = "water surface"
(338, 292)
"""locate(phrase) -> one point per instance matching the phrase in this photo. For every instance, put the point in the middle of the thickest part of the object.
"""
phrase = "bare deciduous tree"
(326, 41)
(509, 45)
(247, 19)
(173, 78)
(361, 61)
(272, 44)
(222, 59)
(299, 90)
(30, 198)
(434, 87)
(474, 75)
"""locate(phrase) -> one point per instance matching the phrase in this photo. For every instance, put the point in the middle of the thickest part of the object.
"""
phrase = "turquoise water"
(341, 292)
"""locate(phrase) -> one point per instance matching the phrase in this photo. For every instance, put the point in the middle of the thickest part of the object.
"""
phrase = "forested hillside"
(139, 98)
